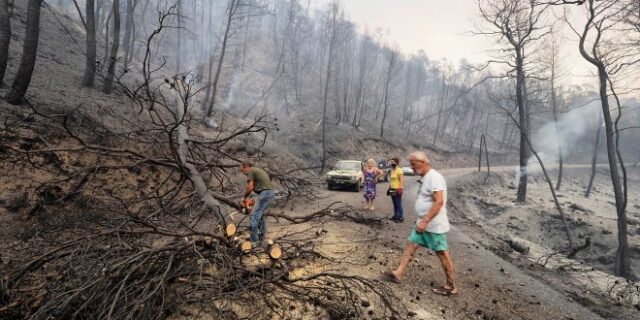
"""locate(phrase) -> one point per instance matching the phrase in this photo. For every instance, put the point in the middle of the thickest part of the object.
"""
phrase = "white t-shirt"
(431, 182)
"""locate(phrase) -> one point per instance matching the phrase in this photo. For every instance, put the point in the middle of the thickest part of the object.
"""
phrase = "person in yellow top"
(396, 181)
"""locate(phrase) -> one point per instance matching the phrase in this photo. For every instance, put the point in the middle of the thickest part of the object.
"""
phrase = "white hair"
(419, 156)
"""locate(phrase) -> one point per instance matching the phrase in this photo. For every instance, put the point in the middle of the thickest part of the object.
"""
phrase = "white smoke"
(570, 129)
(565, 134)
(532, 167)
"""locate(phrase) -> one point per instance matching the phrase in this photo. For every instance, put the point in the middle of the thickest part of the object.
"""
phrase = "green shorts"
(433, 241)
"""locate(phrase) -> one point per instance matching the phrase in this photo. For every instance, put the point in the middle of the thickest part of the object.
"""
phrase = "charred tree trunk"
(594, 161)
(29, 52)
(233, 7)
(90, 59)
(554, 106)
(592, 55)
(441, 107)
(325, 99)
(113, 57)
(5, 37)
(84, 23)
(98, 11)
(179, 38)
(623, 266)
(137, 52)
(128, 33)
(211, 59)
(483, 145)
(105, 58)
(505, 134)
(333, 30)
(523, 114)
(392, 62)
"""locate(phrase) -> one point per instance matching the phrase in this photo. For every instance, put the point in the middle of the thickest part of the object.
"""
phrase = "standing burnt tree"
(5, 37)
(113, 55)
(517, 25)
(333, 25)
(29, 52)
(129, 33)
(392, 61)
(231, 16)
(554, 96)
(90, 59)
(598, 46)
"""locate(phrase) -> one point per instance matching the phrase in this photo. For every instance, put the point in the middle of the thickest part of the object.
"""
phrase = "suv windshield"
(351, 166)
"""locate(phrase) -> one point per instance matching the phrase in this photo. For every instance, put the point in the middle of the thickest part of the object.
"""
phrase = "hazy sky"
(443, 29)
(439, 27)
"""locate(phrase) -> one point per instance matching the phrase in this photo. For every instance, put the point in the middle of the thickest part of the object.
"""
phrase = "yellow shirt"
(394, 179)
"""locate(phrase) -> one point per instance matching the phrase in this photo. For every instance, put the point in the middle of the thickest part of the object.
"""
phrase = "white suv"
(346, 173)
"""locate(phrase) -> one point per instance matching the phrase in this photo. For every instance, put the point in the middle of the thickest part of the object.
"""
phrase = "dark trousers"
(398, 213)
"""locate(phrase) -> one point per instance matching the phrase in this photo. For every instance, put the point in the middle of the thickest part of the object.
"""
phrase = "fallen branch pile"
(127, 218)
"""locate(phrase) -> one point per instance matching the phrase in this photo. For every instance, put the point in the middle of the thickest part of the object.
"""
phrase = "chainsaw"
(247, 205)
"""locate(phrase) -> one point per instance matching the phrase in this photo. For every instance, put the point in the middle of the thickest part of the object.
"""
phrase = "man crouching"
(432, 224)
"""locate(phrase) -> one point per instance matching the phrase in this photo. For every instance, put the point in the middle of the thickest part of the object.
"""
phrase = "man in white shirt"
(432, 224)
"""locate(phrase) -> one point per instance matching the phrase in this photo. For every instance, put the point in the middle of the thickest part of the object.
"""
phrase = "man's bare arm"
(249, 188)
(438, 203)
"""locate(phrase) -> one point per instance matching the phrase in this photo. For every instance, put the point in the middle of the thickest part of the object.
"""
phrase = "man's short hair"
(419, 156)
(247, 164)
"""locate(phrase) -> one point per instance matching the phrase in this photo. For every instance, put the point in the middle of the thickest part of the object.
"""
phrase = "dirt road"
(492, 287)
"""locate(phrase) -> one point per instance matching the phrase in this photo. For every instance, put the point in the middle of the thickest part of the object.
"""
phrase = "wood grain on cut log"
(231, 230)
(242, 244)
(275, 252)
(245, 246)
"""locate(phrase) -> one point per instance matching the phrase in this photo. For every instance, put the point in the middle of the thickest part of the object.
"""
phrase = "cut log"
(275, 252)
(231, 230)
(242, 244)
(245, 246)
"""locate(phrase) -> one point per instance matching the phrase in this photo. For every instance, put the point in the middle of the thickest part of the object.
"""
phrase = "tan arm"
(249, 188)
(438, 203)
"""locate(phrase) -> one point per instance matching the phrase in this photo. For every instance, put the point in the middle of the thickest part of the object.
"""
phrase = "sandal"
(389, 276)
(446, 290)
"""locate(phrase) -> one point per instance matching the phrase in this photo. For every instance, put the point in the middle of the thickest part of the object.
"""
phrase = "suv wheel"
(358, 186)
(329, 186)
